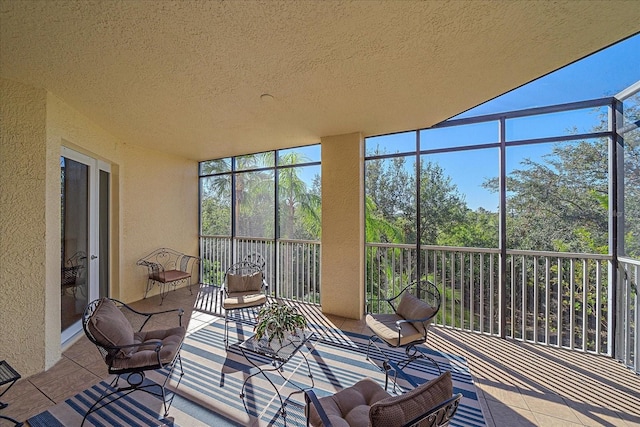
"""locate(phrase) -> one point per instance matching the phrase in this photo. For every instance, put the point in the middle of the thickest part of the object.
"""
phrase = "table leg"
(277, 367)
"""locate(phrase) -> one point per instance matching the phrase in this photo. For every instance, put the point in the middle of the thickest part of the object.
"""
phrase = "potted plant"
(278, 323)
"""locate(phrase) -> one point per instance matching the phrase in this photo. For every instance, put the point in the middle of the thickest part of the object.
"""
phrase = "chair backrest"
(418, 297)
(255, 258)
(244, 276)
(430, 404)
(107, 327)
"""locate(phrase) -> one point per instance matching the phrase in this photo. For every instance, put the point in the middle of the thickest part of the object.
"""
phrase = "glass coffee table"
(278, 358)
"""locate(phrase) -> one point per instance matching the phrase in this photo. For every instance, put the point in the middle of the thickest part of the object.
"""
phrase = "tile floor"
(518, 384)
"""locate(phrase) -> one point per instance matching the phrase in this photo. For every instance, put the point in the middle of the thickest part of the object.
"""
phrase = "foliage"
(253, 188)
(478, 229)
(276, 319)
(441, 204)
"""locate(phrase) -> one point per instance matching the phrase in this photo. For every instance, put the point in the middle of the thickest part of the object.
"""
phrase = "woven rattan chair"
(244, 288)
(117, 331)
(406, 326)
(367, 404)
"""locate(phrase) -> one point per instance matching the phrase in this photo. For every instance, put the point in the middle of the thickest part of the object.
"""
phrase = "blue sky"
(602, 74)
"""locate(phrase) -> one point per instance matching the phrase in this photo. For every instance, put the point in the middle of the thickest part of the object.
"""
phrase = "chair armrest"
(155, 269)
(310, 398)
(179, 311)
(139, 319)
(113, 351)
(440, 414)
(188, 263)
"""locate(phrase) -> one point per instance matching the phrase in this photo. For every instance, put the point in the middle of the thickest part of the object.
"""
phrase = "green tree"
(442, 206)
(479, 229)
(560, 203)
(632, 178)
(390, 200)
(300, 208)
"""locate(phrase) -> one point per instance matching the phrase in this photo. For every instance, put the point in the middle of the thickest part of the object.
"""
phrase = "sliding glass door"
(84, 246)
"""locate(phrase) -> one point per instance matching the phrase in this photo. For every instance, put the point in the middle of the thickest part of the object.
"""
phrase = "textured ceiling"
(186, 77)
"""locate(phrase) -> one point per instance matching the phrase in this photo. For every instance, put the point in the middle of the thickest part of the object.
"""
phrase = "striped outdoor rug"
(135, 410)
(209, 394)
(214, 377)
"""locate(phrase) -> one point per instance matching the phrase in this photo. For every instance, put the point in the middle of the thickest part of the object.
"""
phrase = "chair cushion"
(399, 410)
(244, 282)
(350, 406)
(145, 355)
(170, 276)
(411, 307)
(110, 327)
(384, 326)
(243, 300)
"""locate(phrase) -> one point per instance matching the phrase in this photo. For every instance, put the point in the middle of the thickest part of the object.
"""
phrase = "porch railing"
(292, 267)
(555, 299)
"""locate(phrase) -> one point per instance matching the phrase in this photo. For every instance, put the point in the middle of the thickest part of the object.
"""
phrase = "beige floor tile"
(63, 368)
(510, 416)
(28, 403)
(356, 326)
(507, 394)
(544, 420)
(21, 388)
(64, 387)
(550, 403)
(595, 416)
(335, 320)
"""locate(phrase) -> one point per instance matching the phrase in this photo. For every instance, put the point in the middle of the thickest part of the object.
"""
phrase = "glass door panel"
(74, 267)
(84, 248)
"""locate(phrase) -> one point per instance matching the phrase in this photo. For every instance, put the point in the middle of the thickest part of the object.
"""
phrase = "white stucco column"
(342, 286)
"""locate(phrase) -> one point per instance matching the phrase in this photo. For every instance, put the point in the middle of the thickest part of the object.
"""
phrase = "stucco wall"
(154, 200)
(70, 128)
(160, 195)
(25, 335)
(342, 231)
(154, 203)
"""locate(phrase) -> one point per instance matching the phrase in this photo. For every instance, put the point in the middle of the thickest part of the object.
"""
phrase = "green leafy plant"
(274, 320)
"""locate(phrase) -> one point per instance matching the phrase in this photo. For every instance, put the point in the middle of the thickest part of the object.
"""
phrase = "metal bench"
(168, 268)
